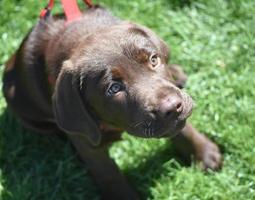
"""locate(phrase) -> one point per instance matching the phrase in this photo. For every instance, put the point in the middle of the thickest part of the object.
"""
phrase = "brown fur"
(61, 79)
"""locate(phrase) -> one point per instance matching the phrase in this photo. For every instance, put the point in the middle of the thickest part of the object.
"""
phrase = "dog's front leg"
(112, 183)
(190, 142)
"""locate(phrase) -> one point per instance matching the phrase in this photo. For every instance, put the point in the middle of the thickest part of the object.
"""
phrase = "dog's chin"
(172, 131)
(160, 131)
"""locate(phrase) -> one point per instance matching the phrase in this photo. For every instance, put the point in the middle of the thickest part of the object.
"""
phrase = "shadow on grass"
(35, 166)
(146, 175)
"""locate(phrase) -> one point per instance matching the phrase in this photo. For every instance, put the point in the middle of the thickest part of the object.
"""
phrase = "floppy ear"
(70, 112)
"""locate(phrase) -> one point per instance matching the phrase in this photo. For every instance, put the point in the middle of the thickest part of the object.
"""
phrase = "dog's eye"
(115, 88)
(154, 60)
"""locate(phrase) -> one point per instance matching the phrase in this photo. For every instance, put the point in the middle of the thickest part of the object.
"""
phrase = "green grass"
(214, 41)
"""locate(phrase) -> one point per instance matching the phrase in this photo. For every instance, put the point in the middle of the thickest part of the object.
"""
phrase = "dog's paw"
(208, 156)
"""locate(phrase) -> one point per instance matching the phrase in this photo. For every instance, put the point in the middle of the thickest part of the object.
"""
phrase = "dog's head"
(120, 76)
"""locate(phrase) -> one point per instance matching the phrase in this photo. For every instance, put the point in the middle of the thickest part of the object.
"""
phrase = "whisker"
(136, 124)
(139, 123)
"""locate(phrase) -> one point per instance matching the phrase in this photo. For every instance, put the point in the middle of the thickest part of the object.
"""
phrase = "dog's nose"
(171, 104)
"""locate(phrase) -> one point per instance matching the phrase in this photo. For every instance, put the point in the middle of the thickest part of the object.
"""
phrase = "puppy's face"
(125, 81)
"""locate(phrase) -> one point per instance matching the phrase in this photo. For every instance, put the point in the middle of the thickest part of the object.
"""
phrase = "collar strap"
(47, 9)
(71, 9)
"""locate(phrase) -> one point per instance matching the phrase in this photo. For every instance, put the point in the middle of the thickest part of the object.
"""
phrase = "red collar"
(71, 9)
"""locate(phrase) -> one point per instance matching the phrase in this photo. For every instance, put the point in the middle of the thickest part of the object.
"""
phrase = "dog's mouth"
(155, 129)
(158, 127)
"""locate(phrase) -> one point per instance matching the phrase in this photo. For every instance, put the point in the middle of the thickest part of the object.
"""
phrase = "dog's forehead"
(127, 38)
(123, 51)
(131, 60)
(140, 39)
(139, 43)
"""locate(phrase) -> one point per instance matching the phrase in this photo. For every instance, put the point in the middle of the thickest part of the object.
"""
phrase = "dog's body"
(32, 71)
(96, 77)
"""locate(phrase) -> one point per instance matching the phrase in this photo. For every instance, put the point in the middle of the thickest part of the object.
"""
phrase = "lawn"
(214, 41)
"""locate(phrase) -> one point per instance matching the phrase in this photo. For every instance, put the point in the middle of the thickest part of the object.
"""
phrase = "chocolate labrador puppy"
(96, 77)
